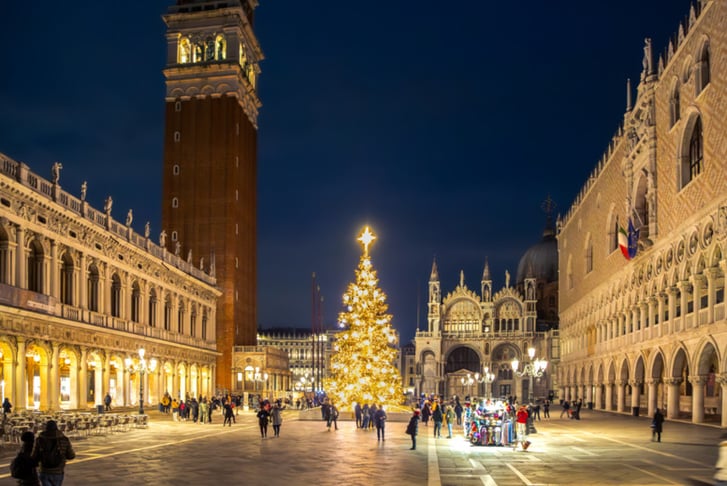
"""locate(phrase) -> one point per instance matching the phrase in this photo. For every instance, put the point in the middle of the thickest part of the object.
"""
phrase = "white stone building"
(81, 293)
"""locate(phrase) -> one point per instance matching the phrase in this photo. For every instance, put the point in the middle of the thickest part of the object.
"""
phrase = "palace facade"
(650, 331)
(82, 293)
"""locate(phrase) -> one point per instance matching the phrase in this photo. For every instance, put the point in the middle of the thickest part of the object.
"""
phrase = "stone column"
(55, 288)
(620, 395)
(711, 274)
(21, 270)
(83, 379)
(698, 382)
(698, 284)
(672, 397)
(635, 396)
(652, 397)
(722, 380)
(82, 283)
(672, 306)
(598, 402)
(589, 393)
(126, 387)
(609, 396)
(55, 377)
(21, 377)
(685, 288)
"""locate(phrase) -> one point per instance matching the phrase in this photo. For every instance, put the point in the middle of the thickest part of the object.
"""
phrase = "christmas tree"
(363, 366)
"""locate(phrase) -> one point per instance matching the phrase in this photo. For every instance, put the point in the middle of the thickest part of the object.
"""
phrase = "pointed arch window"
(204, 324)
(692, 159)
(589, 254)
(220, 48)
(703, 68)
(674, 105)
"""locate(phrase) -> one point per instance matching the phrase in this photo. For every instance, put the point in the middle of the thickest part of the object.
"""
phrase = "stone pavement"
(601, 449)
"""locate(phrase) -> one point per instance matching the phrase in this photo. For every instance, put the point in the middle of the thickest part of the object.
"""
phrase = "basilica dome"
(541, 259)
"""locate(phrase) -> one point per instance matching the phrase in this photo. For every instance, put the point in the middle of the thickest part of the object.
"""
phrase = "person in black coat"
(413, 429)
(263, 416)
(656, 425)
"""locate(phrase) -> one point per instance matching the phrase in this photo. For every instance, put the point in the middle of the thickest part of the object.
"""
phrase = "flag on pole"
(623, 242)
(633, 239)
(628, 241)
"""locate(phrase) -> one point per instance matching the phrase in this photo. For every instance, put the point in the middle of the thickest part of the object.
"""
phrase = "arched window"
(193, 322)
(184, 55)
(35, 267)
(674, 108)
(209, 49)
(135, 302)
(703, 68)
(569, 273)
(589, 254)
(220, 48)
(67, 279)
(693, 157)
(152, 308)
(198, 52)
(115, 296)
(92, 289)
(613, 236)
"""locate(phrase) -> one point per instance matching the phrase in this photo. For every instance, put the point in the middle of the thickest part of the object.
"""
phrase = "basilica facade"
(82, 294)
(470, 335)
(646, 329)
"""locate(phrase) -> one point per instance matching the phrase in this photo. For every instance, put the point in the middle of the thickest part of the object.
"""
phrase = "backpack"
(22, 467)
(51, 458)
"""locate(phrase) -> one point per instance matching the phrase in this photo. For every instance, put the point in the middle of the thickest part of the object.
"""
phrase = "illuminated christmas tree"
(363, 365)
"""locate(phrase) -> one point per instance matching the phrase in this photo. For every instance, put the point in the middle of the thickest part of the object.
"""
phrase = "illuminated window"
(220, 48)
(209, 49)
(184, 55)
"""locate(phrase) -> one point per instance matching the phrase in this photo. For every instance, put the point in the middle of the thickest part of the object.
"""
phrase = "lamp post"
(532, 369)
(468, 383)
(487, 378)
(142, 369)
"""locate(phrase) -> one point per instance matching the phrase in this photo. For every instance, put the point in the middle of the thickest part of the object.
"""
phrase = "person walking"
(437, 418)
(359, 415)
(449, 416)
(277, 415)
(24, 467)
(229, 414)
(522, 427)
(7, 406)
(366, 414)
(380, 421)
(458, 411)
(413, 429)
(262, 418)
(546, 409)
(51, 451)
(657, 425)
(107, 402)
(566, 409)
(332, 416)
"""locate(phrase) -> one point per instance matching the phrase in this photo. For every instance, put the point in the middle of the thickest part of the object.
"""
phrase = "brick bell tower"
(210, 158)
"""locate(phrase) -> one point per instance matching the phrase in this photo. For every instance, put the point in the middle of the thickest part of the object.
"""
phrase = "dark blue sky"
(444, 129)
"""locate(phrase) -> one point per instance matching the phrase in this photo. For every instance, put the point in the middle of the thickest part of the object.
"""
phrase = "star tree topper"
(366, 238)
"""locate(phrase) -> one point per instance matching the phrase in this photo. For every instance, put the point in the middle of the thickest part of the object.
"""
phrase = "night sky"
(442, 128)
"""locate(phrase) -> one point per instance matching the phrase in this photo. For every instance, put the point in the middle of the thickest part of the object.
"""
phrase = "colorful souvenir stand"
(488, 423)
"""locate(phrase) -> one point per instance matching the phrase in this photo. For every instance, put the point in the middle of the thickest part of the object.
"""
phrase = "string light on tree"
(363, 365)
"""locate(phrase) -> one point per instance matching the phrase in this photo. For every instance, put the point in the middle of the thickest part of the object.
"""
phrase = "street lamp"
(487, 378)
(532, 369)
(141, 368)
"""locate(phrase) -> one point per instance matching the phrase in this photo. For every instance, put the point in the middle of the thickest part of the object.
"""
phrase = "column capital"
(673, 381)
(722, 378)
(698, 379)
(635, 382)
(653, 381)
